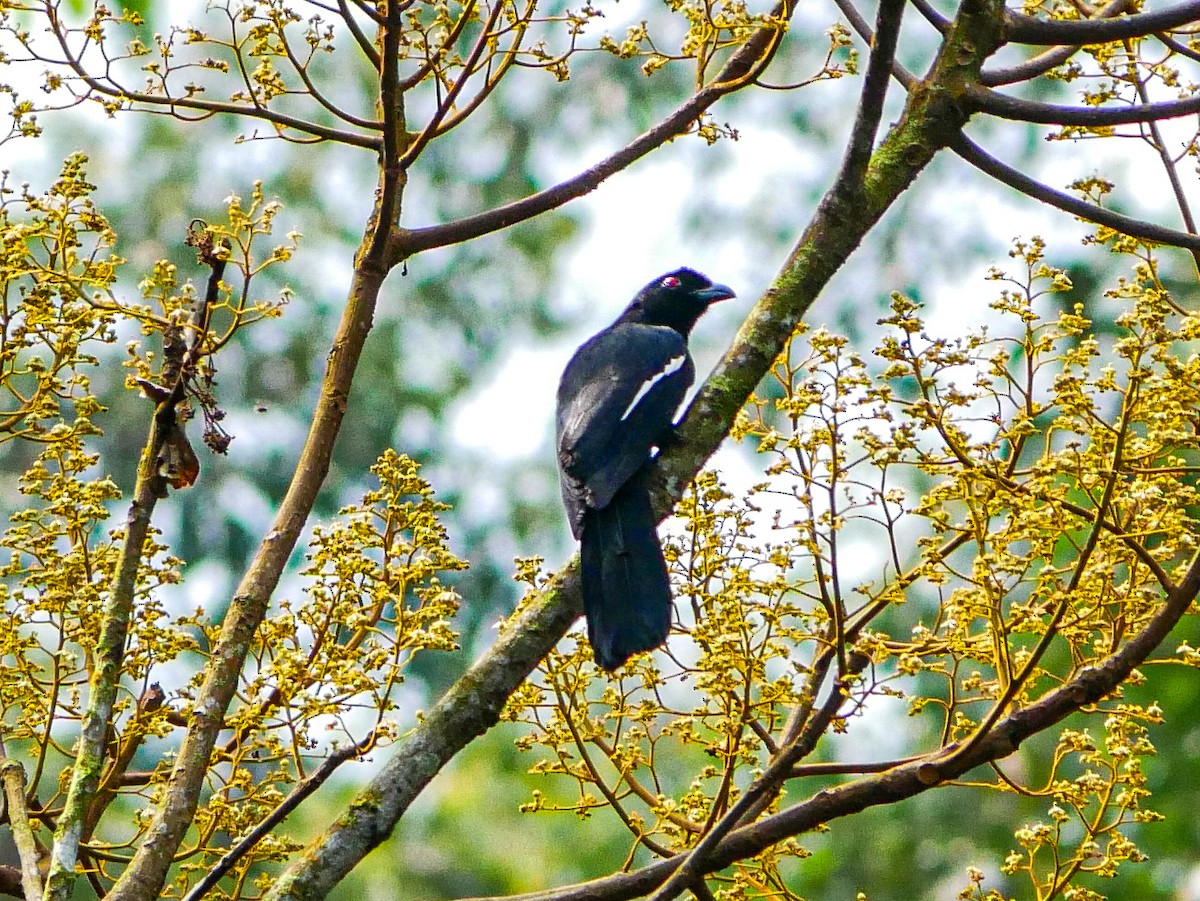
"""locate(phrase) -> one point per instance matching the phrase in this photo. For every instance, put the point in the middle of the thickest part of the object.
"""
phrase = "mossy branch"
(850, 209)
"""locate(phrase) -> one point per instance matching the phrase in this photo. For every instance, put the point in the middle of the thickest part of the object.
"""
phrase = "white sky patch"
(512, 415)
(673, 366)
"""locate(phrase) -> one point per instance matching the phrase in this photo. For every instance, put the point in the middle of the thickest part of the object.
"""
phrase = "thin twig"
(431, 129)
(315, 92)
(433, 53)
(116, 616)
(932, 16)
(844, 768)
(910, 779)
(1182, 49)
(1035, 656)
(294, 799)
(1181, 201)
(697, 860)
(866, 33)
(364, 42)
(208, 107)
(741, 69)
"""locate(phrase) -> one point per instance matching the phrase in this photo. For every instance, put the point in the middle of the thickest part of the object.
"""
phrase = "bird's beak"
(714, 292)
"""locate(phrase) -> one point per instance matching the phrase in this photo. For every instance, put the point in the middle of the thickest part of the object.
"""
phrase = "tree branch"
(1044, 62)
(117, 613)
(1126, 225)
(12, 774)
(800, 744)
(144, 877)
(911, 777)
(364, 43)
(1024, 29)
(874, 90)
(207, 107)
(409, 242)
(468, 709)
(1160, 146)
(1087, 687)
(430, 131)
(693, 865)
(864, 31)
(932, 16)
(737, 73)
(1006, 107)
(295, 798)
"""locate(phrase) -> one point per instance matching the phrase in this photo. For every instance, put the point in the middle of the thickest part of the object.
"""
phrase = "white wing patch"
(673, 366)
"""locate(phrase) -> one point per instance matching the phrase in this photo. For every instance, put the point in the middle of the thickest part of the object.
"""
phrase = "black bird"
(616, 402)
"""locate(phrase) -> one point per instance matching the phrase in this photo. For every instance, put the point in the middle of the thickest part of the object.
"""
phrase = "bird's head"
(676, 300)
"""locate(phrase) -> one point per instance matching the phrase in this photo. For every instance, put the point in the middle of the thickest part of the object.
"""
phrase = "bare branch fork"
(1069, 38)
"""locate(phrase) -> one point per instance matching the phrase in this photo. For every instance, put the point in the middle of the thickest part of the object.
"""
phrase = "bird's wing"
(616, 399)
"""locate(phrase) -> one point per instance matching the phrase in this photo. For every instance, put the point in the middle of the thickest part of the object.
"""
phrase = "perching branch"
(803, 730)
(847, 213)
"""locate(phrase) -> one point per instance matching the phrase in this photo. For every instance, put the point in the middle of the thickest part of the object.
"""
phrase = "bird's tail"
(626, 593)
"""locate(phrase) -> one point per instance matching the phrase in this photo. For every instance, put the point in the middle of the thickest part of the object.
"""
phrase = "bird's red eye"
(670, 282)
